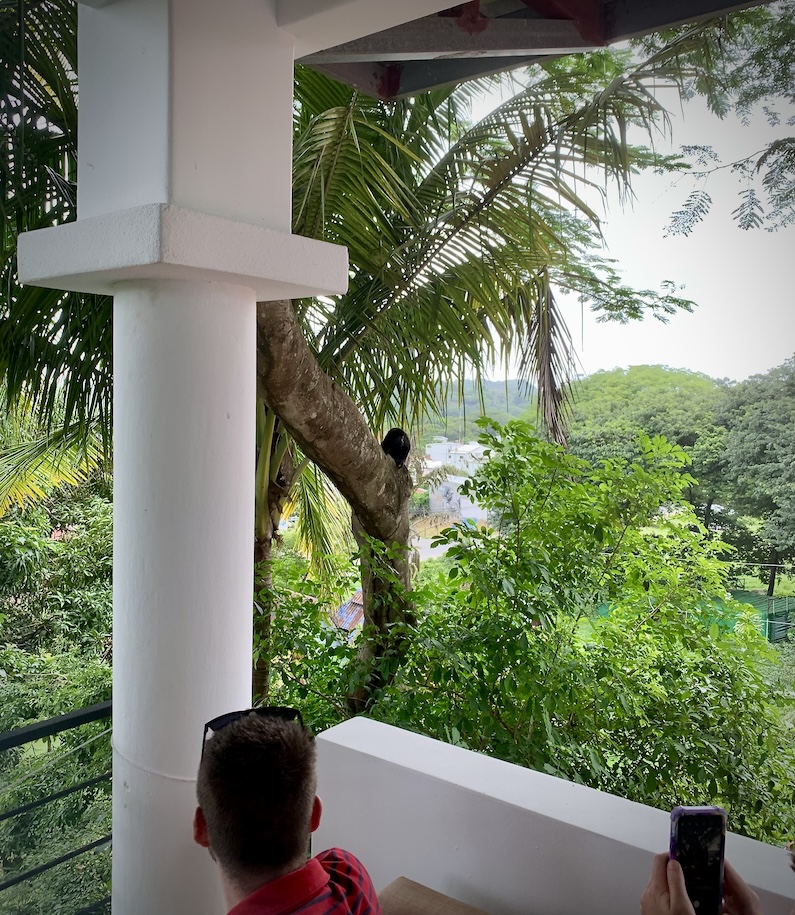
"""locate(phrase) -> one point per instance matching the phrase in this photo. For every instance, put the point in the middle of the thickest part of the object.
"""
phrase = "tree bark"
(278, 491)
(771, 582)
(263, 583)
(331, 431)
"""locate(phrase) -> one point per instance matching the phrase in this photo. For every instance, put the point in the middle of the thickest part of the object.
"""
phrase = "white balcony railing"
(509, 840)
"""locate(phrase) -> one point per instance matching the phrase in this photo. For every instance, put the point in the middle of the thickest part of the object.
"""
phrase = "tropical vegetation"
(588, 632)
(458, 233)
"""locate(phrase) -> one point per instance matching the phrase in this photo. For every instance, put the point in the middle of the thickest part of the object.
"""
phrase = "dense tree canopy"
(760, 457)
(738, 438)
(611, 408)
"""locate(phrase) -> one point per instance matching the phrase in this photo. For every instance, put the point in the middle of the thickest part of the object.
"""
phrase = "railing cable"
(52, 762)
(26, 808)
(34, 872)
(51, 726)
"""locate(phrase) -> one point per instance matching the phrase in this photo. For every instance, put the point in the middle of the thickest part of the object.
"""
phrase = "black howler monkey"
(397, 445)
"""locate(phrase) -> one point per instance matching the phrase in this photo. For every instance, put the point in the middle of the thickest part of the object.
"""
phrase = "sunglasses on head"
(266, 711)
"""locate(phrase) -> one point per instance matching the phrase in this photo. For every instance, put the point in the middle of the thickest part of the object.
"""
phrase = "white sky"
(741, 281)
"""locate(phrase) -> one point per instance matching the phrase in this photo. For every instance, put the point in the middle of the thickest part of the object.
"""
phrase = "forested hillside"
(502, 401)
(739, 438)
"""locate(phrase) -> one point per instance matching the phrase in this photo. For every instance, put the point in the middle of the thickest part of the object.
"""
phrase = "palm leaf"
(31, 468)
(323, 521)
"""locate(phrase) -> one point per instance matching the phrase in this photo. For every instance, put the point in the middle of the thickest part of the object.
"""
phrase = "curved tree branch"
(327, 424)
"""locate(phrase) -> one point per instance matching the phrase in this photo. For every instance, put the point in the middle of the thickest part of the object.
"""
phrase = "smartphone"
(698, 840)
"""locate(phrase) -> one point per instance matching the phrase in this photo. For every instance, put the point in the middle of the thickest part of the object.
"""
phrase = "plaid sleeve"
(349, 884)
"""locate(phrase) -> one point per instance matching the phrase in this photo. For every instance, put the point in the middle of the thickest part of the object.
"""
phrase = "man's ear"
(317, 810)
(200, 829)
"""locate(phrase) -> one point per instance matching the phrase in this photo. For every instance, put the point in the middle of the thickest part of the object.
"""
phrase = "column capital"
(162, 241)
(187, 102)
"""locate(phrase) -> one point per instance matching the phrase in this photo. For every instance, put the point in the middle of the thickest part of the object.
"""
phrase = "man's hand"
(666, 893)
(738, 897)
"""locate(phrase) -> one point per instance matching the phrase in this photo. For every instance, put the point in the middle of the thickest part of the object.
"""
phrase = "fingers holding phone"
(666, 893)
(738, 897)
(694, 879)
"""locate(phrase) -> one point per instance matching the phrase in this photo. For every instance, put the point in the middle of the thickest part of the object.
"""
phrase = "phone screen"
(699, 843)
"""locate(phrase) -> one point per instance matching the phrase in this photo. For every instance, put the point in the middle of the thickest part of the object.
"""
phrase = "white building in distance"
(466, 456)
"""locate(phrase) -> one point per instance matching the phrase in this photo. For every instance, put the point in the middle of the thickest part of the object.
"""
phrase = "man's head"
(256, 792)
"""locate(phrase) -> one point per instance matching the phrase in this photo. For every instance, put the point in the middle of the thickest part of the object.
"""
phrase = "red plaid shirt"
(333, 883)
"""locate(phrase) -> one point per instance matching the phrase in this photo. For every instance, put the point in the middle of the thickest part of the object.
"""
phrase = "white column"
(184, 369)
(187, 102)
(184, 200)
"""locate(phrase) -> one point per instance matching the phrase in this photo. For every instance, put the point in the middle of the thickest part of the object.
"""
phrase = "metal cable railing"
(21, 861)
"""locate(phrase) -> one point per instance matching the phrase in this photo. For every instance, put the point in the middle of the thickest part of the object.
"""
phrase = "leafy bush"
(592, 637)
(311, 658)
(56, 595)
(55, 621)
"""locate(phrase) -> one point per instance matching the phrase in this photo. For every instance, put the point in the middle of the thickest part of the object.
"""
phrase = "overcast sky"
(741, 281)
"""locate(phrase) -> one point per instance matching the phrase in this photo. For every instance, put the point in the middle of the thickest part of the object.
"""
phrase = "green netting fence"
(775, 613)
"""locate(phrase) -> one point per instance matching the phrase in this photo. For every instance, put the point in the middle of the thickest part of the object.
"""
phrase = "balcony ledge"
(506, 839)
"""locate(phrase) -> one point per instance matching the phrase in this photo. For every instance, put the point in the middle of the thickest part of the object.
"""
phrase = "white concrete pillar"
(187, 102)
(184, 208)
(184, 371)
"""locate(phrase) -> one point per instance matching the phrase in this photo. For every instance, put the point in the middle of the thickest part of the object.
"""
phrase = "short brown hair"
(256, 787)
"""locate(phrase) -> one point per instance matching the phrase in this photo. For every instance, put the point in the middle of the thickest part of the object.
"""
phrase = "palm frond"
(32, 467)
(323, 521)
(448, 223)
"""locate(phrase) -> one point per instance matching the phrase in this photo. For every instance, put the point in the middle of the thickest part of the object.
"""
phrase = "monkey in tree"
(397, 445)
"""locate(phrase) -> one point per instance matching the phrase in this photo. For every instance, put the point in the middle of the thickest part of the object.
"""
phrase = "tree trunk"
(268, 531)
(263, 583)
(708, 514)
(331, 431)
(771, 582)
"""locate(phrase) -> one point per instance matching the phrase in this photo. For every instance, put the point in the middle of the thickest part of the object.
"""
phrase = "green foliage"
(457, 419)
(590, 636)
(610, 408)
(760, 452)
(34, 687)
(35, 460)
(55, 623)
(662, 699)
(744, 67)
(431, 571)
(738, 438)
(57, 594)
(419, 504)
(311, 658)
(781, 678)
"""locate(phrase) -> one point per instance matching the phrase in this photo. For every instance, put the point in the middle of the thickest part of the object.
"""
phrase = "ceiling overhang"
(488, 36)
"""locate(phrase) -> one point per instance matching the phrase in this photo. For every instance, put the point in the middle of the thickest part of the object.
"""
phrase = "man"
(257, 808)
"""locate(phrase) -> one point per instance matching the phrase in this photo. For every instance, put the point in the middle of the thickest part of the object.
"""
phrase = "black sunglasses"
(265, 711)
